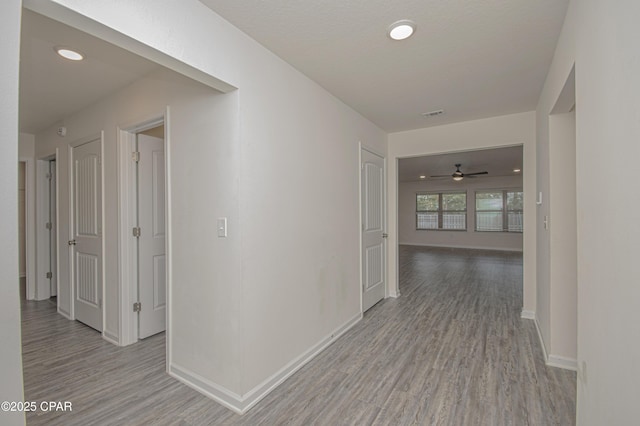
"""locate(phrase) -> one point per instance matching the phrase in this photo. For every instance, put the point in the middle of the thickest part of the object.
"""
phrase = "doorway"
(150, 232)
(143, 231)
(86, 240)
(52, 227)
(373, 227)
(22, 220)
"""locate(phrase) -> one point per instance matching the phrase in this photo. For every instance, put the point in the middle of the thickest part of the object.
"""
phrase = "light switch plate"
(222, 227)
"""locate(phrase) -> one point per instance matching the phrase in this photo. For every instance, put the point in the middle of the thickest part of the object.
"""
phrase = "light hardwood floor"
(452, 350)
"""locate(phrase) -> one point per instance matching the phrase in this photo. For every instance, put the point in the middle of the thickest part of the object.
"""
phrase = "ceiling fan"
(458, 175)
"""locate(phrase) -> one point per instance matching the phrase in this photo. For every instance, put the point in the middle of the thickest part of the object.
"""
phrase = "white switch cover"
(222, 227)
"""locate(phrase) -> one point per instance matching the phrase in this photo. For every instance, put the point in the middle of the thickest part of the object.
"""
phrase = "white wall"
(294, 151)
(10, 349)
(601, 38)
(408, 234)
(26, 145)
(470, 135)
(203, 167)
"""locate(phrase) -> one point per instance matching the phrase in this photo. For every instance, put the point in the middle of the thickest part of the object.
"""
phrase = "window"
(499, 211)
(441, 211)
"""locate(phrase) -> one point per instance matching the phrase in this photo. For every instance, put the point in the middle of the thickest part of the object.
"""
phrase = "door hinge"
(49, 226)
(49, 176)
(137, 307)
(135, 156)
(49, 275)
(137, 231)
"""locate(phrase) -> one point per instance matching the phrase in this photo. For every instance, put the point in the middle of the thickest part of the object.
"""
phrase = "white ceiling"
(52, 88)
(474, 59)
(498, 162)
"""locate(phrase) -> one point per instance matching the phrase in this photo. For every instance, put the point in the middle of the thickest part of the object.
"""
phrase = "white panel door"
(373, 226)
(151, 243)
(86, 244)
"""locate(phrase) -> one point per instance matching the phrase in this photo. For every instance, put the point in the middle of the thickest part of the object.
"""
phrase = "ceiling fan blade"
(439, 176)
(476, 173)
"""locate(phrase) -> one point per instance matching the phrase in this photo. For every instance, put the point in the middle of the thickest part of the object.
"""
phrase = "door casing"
(127, 248)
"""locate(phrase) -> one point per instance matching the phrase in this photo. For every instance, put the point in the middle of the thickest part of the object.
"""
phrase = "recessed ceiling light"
(401, 30)
(67, 53)
(516, 170)
(423, 177)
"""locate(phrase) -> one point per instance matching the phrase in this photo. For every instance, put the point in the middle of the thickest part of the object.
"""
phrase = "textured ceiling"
(474, 59)
(52, 88)
(498, 162)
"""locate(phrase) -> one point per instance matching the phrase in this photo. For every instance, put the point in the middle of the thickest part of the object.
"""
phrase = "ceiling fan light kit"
(458, 175)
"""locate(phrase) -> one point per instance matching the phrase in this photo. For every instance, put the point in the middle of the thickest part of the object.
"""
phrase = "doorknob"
(385, 235)
(72, 242)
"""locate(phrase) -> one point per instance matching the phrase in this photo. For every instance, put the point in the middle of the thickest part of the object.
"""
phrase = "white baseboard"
(549, 359)
(111, 337)
(395, 293)
(461, 247)
(218, 393)
(528, 315)
(65, 314)
(542, 345)
(562, 362)
(242, 403)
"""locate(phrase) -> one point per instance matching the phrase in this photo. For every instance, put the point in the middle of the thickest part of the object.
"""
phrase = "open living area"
(272, 212)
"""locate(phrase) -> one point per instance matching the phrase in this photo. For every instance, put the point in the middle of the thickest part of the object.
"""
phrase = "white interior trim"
(29, 225)
(241, 404)
(542, 345)
(562, 362)
(103, 239)
(126, 247)
(57, 235)
(36, 286)
(109, 337)
(551, 360)
(168, 241)
(220, 394)
(528, 315)
(360, 224)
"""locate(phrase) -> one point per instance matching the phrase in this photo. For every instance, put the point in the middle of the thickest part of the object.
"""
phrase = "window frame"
(440, 212)
(505, 210)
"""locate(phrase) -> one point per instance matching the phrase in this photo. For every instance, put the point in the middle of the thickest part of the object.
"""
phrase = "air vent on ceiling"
(432, 113)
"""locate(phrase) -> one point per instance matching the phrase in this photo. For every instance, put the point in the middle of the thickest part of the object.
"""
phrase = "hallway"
(452, 350)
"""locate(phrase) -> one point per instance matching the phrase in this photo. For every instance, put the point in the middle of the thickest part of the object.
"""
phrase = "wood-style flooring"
(451, 350)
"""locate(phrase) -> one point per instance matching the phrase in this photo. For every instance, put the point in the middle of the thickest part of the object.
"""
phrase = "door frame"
(29, 226)
(41, 285)
(72, 287)
(127, 246)
(363, 147)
